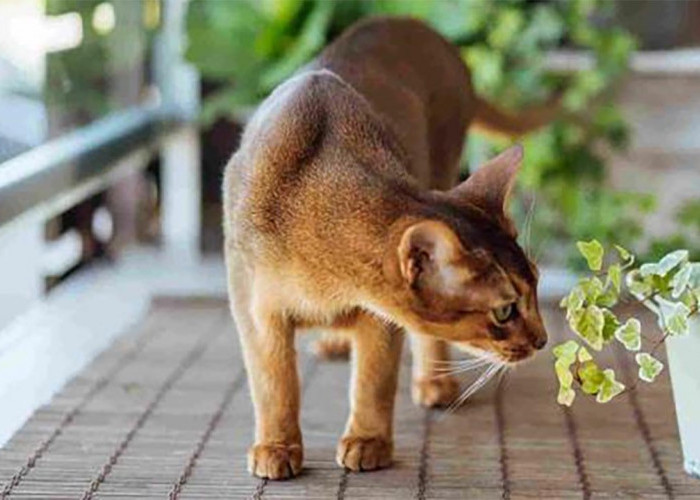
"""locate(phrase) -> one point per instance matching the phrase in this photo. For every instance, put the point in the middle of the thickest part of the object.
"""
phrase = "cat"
(342, 211)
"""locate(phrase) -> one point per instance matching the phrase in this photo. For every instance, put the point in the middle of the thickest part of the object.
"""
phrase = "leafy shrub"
(247, 47)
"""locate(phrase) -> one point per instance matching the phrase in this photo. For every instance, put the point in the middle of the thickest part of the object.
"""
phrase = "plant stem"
(659, 342)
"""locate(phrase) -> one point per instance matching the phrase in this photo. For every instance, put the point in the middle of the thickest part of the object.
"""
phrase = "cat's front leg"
(431, 385)
(367, 443)
(270, 359)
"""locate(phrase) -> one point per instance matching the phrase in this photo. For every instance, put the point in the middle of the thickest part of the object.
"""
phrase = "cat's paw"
(434, 391)
(275, 460)
(364, 454)
(332, 347)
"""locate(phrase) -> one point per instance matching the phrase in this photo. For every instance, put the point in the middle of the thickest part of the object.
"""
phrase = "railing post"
(178, 84)
(181, 194)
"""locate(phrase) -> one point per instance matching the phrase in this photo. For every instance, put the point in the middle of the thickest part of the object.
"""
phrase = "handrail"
(674, 62)
(61, 167)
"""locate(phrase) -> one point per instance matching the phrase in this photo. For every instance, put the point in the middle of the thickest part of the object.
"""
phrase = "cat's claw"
(275, 461)
(364, 454)
(435, 391)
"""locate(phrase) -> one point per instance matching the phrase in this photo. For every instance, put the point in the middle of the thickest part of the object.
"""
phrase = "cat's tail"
(491, 119)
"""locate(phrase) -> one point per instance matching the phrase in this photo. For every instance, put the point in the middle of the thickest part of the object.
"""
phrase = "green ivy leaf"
(584, 355)
(566, 396)
(624, 254)
(695, 274)
(649, 269)
(566, 351)
(593, 252)
(573, 301)
(615, 277)
(649, 366)
(689, 298)
(629, 334)
(670, 261)
(608, 298)
(565, 354)
(561, 367)
(665, 265)
(673, 316)
(681, 280)
(566, 379)
(592, 288)
(639, 286)
(588, 323)
(591, 377)
(609, 387)
(611, 324)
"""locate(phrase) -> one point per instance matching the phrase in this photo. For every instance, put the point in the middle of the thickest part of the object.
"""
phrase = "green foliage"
(593, 252)
(565, 356)
(253, 45)
(670, 288)
(591, 379)
(247, 47)
(609, 387)
(588, 323)
(630, 334)
(649, 366)
(673, 316)
(79, 80)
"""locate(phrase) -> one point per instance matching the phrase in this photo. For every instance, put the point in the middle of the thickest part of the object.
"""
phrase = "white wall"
(21, 285)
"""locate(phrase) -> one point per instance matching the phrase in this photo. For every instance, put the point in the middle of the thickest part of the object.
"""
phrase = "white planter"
(684, 365)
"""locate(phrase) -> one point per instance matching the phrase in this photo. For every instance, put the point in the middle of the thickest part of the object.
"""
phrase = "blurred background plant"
(107, 71)
(244, 49)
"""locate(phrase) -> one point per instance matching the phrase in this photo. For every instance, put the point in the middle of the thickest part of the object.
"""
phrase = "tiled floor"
(165, 413)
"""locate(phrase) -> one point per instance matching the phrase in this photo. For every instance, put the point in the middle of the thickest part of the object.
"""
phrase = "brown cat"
(339, 214)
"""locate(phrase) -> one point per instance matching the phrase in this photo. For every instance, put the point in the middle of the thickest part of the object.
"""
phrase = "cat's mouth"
(509, 355)
(517, 355)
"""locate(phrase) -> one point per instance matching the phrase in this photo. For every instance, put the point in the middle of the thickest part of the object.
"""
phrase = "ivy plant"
(670, 288)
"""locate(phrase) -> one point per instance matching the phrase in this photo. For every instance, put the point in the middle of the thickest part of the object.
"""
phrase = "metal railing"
(52, 177)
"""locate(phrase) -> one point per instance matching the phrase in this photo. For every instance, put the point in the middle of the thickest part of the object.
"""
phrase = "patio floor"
(165, 413)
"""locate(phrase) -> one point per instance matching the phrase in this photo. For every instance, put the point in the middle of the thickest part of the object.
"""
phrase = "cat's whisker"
(503, 373)
(453, 361)
(475, 386)
(458, 366)
(527, 230)
(471, 389)
(456, 371)
(540, 250)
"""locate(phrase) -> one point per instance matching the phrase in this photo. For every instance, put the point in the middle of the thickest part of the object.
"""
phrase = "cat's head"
(463, 274)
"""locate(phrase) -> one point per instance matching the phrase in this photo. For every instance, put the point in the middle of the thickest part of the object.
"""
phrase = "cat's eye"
(504, 313)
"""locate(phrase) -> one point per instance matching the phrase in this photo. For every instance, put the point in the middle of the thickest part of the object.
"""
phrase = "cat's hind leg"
(367, 443)
(332, 346)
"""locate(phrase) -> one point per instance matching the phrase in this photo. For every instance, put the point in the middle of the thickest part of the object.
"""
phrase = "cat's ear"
(445, 276)
(490, 186)
(429, 254)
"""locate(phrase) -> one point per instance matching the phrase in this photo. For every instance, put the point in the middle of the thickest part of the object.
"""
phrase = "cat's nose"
(540, 342)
